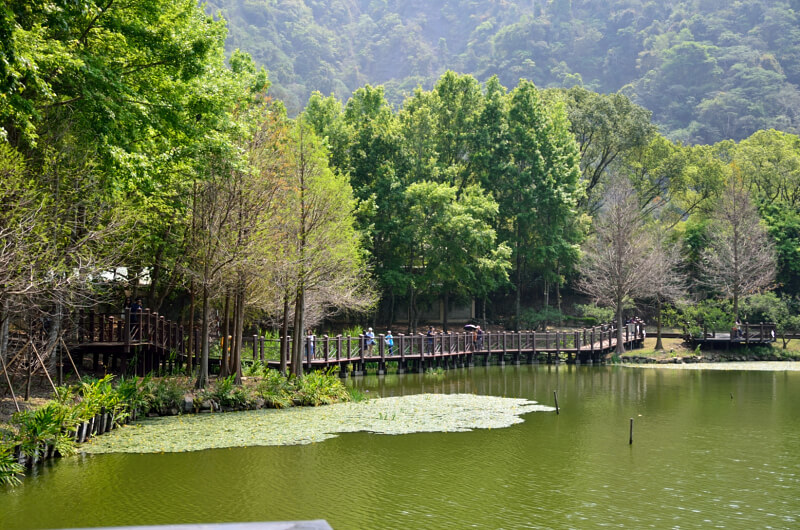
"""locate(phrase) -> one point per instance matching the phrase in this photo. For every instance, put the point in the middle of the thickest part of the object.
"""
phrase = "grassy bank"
(675, 349)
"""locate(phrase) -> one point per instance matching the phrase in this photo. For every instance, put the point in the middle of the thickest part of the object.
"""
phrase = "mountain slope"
(708, 69)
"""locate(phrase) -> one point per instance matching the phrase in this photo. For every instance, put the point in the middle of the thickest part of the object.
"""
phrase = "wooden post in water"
(555, 396)
(630, 440)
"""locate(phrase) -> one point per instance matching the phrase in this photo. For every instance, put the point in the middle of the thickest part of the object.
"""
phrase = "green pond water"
(712, 448)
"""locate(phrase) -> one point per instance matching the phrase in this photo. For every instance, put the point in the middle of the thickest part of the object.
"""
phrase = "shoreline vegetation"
(92, 407)
(76, 413)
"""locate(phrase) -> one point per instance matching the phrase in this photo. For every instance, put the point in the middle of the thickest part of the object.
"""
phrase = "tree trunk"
(284, 354)
(518, 299)
(202, 372)
(236, 359)
(446, 302)
(483, 312)
(391, 309)
(299, 342)
(234, 337)
(620, 336)
(5, 318)
(192, 345)
(558, 302)
(659, 345)
(226, 333)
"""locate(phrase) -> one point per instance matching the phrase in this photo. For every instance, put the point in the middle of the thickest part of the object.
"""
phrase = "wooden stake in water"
(555, 395)
(630, 440)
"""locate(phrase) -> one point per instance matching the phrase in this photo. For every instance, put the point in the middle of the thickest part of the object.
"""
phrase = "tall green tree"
(539, 199)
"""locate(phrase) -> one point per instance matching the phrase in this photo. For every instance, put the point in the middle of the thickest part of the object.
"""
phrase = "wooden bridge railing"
(131, 329)
(747, 333)
(341, 348)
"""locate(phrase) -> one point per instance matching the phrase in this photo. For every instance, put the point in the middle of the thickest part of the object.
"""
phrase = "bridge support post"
(401, 364)
(382, 351)
(342, 367)
(502, 359)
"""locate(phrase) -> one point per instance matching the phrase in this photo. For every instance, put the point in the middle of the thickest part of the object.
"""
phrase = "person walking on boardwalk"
(430, 334)
(479, 332)
(389, 340)
(310, 345)
(370, 341)
(136, 313)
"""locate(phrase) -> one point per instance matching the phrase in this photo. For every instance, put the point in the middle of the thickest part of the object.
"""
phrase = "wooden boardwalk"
(137, 343)
(747, 334)
(419, 352)
(147, 342)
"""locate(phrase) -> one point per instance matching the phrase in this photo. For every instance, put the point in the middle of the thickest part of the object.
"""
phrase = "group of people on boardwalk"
(370, 341)
(640, 329)
(388, 339)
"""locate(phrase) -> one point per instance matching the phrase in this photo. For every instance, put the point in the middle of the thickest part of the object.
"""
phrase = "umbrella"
(470, 326)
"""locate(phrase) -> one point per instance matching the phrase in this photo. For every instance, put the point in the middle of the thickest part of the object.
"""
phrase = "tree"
(455, 250)
(740, 259)
(781, 310)
(539, 195)
(618, 263)
(668, 283)
(607, 127)
(326, 250)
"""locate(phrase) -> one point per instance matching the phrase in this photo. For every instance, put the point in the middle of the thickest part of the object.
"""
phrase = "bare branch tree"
(618, 263)
(740, 258)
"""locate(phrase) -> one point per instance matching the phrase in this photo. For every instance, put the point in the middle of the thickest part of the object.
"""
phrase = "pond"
(711, 448)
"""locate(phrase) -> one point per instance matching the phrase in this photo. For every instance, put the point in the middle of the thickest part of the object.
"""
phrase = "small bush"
(275, 390)
(320, 388)
(10, 469)
(162, 395)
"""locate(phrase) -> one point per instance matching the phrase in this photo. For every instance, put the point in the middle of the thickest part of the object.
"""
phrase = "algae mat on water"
(394, 415)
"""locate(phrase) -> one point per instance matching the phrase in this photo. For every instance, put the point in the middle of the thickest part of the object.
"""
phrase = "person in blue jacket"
(389, 340)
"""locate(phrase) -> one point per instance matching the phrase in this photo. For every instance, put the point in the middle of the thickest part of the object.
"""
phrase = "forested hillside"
(707, 69)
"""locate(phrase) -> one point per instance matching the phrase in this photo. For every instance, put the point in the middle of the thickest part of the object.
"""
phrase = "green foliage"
(539, 318)
(353, 331)
(434, 373)
(783, 311)
(356, 395)
(594, 314)
(163, 394)
(319, 388)
(713, 315)
(707, 70)
(10, 469)
(275, 390)
(227, 394)
(46, 427)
